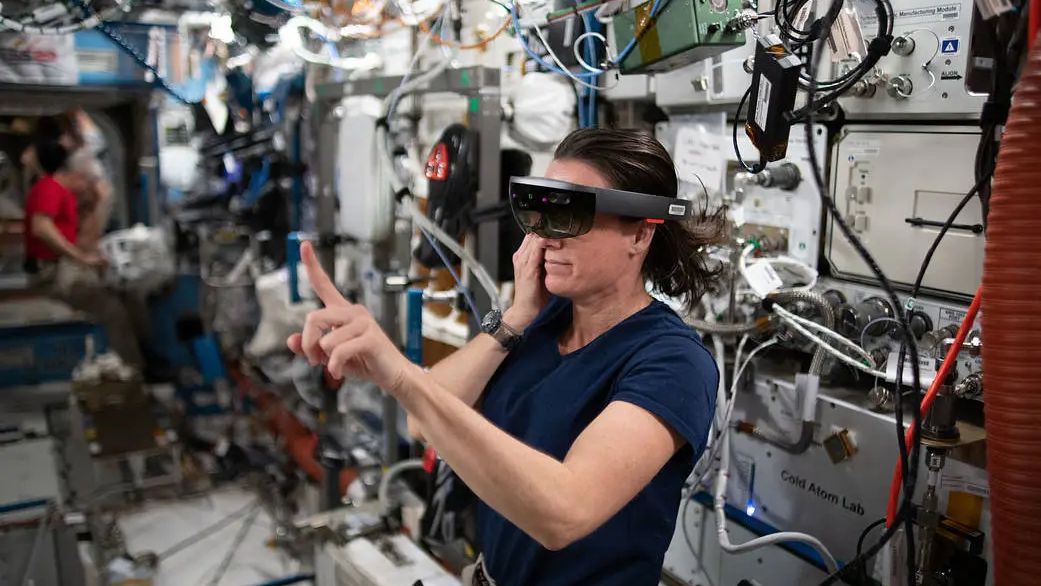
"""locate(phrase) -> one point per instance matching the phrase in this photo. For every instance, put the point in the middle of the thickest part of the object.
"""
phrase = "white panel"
(366, 206)
(797, 211)
(911, 172)
(927, 22)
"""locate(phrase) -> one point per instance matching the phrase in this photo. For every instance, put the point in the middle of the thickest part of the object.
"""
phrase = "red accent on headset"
(655, 221)
(437, 163)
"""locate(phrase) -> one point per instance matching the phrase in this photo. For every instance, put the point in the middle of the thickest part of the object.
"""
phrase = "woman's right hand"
(529, 278)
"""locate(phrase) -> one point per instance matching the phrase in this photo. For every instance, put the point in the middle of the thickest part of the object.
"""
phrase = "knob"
(920, 324)
(903, 46)
(865, 317)
(900, 87)
(836, 298)
(863, 89)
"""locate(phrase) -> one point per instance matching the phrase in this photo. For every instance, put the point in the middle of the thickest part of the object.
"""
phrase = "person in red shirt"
(51, 212)
(58, 265)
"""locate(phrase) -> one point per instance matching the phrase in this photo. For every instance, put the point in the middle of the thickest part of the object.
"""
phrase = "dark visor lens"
(550, 213)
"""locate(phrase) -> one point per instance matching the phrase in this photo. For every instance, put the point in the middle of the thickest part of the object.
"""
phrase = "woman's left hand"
(344, 336)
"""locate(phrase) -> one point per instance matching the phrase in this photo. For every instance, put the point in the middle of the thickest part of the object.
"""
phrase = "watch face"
(490, 321)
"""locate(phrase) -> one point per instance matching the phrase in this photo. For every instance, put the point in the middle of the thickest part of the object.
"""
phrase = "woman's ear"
(644, 235)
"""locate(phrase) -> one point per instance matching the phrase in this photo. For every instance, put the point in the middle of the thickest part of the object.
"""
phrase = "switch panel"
(925, 32)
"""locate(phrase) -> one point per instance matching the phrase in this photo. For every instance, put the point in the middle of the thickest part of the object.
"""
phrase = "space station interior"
(481, 292)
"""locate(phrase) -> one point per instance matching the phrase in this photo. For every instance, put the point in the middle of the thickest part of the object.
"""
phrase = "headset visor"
(557, 209)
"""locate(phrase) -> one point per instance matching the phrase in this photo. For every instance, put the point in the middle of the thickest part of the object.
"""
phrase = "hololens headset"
(557, 209)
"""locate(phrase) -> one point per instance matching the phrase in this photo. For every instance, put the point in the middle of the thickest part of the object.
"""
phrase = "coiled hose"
(1012, 349)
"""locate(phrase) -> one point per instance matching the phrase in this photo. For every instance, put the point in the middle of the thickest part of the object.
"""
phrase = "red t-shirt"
(50, 198)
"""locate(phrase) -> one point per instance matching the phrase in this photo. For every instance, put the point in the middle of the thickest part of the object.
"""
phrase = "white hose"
(383, 492)
(719, 502)
(477, 269)
(397, 185)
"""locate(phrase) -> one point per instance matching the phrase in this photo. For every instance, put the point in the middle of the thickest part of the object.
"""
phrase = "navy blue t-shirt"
(651, 359)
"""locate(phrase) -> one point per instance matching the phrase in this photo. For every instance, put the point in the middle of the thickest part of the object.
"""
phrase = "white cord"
(829, 333)
(793, 322)
(383, 492)
(476, 268)
(557, 62)
(296, 24)
(578, 52)
(739, 369)
(772, 539)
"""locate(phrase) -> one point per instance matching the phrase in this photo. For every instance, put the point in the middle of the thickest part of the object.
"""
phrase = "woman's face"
(607, 257)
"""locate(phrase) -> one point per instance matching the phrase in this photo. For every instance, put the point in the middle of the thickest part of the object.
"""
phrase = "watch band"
(494, 326)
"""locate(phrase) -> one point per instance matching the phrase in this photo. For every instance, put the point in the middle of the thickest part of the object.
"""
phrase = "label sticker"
(762, 106)
(936, 13)
(763, 279)
(926, 369)
(858, 149)
(676, 210)
(950, 46)
(952, 74)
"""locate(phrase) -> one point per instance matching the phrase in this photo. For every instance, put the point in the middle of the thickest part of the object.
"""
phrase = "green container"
(686, 31)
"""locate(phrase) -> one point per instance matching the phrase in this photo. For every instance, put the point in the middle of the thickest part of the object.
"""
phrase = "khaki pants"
(81, 288)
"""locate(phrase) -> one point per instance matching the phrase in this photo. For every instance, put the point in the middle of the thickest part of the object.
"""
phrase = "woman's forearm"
(533, 490)
(467, 371)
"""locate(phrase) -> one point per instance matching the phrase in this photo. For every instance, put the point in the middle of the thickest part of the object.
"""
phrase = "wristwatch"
(506, 336)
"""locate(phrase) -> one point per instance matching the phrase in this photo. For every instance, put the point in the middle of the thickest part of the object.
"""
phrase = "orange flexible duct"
(1012, 338)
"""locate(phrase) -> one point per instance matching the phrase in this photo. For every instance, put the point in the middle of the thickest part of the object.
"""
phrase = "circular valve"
(903, 46)
(900, 87)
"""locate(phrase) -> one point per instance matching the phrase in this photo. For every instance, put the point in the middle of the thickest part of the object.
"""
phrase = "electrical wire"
(533, 55)
(758, 167)
(945, 369)
(459, 283)
(479, 45)
(814, 57)
(561, 68)
(793, 322)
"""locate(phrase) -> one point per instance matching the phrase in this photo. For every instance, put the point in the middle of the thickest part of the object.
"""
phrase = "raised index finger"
(320, 282)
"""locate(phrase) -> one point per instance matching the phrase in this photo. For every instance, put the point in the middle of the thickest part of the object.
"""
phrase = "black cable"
(758, 167)
(901, 315)
(861, 568)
